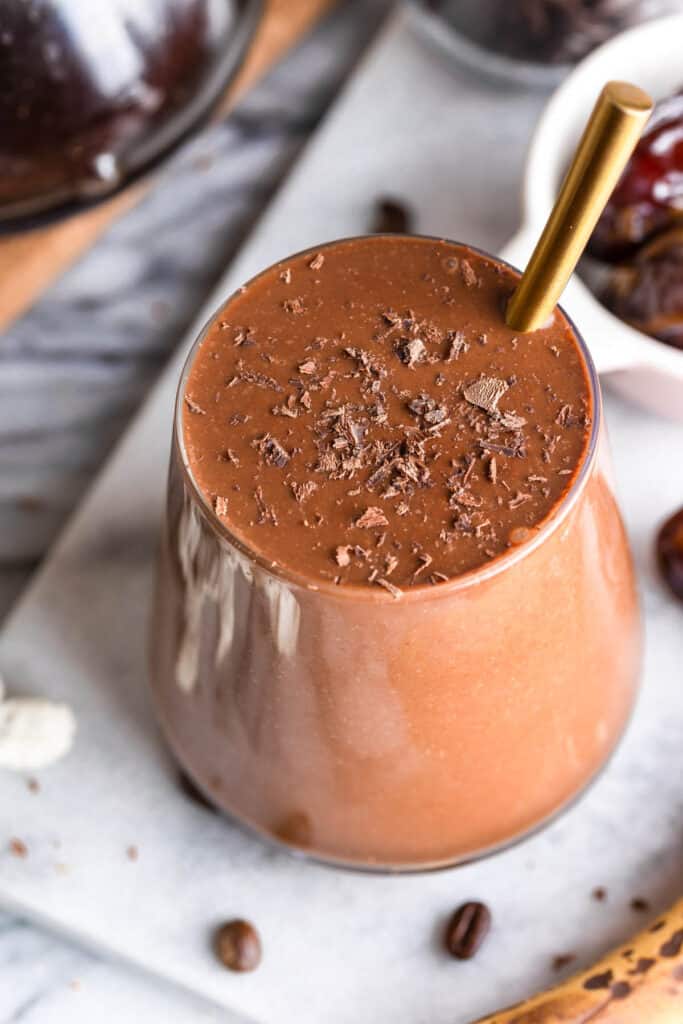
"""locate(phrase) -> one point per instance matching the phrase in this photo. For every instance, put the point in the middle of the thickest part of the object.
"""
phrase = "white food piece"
(34, 732)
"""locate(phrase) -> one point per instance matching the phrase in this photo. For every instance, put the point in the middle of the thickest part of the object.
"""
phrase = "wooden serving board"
(31, 260)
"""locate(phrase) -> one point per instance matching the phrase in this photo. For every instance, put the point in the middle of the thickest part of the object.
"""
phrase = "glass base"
(426, 867)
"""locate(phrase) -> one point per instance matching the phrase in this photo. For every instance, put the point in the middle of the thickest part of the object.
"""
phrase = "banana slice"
(641, 982)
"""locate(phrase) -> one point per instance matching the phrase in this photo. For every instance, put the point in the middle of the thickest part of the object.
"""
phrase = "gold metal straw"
(608, 140)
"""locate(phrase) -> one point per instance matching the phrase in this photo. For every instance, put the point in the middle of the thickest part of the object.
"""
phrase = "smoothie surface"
(361, 414)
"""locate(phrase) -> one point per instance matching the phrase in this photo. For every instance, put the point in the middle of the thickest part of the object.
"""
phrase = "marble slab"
(339, 946)
(45, 980)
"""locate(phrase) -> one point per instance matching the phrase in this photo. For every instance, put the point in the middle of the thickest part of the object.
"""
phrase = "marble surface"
(74, 369)
(45, 980)
(625, 834)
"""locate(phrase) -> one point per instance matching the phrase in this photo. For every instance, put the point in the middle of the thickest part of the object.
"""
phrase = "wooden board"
(31, 260)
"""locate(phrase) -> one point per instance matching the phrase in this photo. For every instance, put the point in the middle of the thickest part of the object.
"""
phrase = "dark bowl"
(92, 92)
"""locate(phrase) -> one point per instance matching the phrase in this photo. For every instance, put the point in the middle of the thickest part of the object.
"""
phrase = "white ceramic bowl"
(642, 368)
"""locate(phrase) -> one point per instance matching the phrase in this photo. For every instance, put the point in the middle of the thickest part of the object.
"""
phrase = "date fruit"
(649, 196)
(648, 293)
(670, 552)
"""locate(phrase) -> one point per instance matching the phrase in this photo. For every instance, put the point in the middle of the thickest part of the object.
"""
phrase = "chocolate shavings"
(412, 352)
(272, 451)
(468, 274)
(485, 393)
(457, 346)
(395, 592)
(193, 407)
(342, 555)
(266, 513)
(303, 491)
(371, 518)
(254, 377)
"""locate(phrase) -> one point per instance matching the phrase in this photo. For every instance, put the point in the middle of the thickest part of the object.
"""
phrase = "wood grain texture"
(31, 260)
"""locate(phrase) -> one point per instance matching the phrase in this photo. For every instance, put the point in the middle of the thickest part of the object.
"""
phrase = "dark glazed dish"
(93, 92)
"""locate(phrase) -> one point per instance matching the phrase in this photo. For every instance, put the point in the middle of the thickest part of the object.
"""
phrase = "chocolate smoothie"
(363, 415)
(395, 616)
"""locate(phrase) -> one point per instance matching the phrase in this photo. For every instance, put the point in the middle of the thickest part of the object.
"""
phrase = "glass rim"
(421, 591)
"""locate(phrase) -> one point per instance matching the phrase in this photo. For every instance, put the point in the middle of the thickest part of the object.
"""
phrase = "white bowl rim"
(538, 188)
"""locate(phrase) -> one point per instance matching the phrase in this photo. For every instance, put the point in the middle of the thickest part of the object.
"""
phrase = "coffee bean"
(467, 929)
(238, 945)
(392, 217)
(670, 552)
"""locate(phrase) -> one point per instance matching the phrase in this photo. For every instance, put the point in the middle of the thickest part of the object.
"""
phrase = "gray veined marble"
(43, 980)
